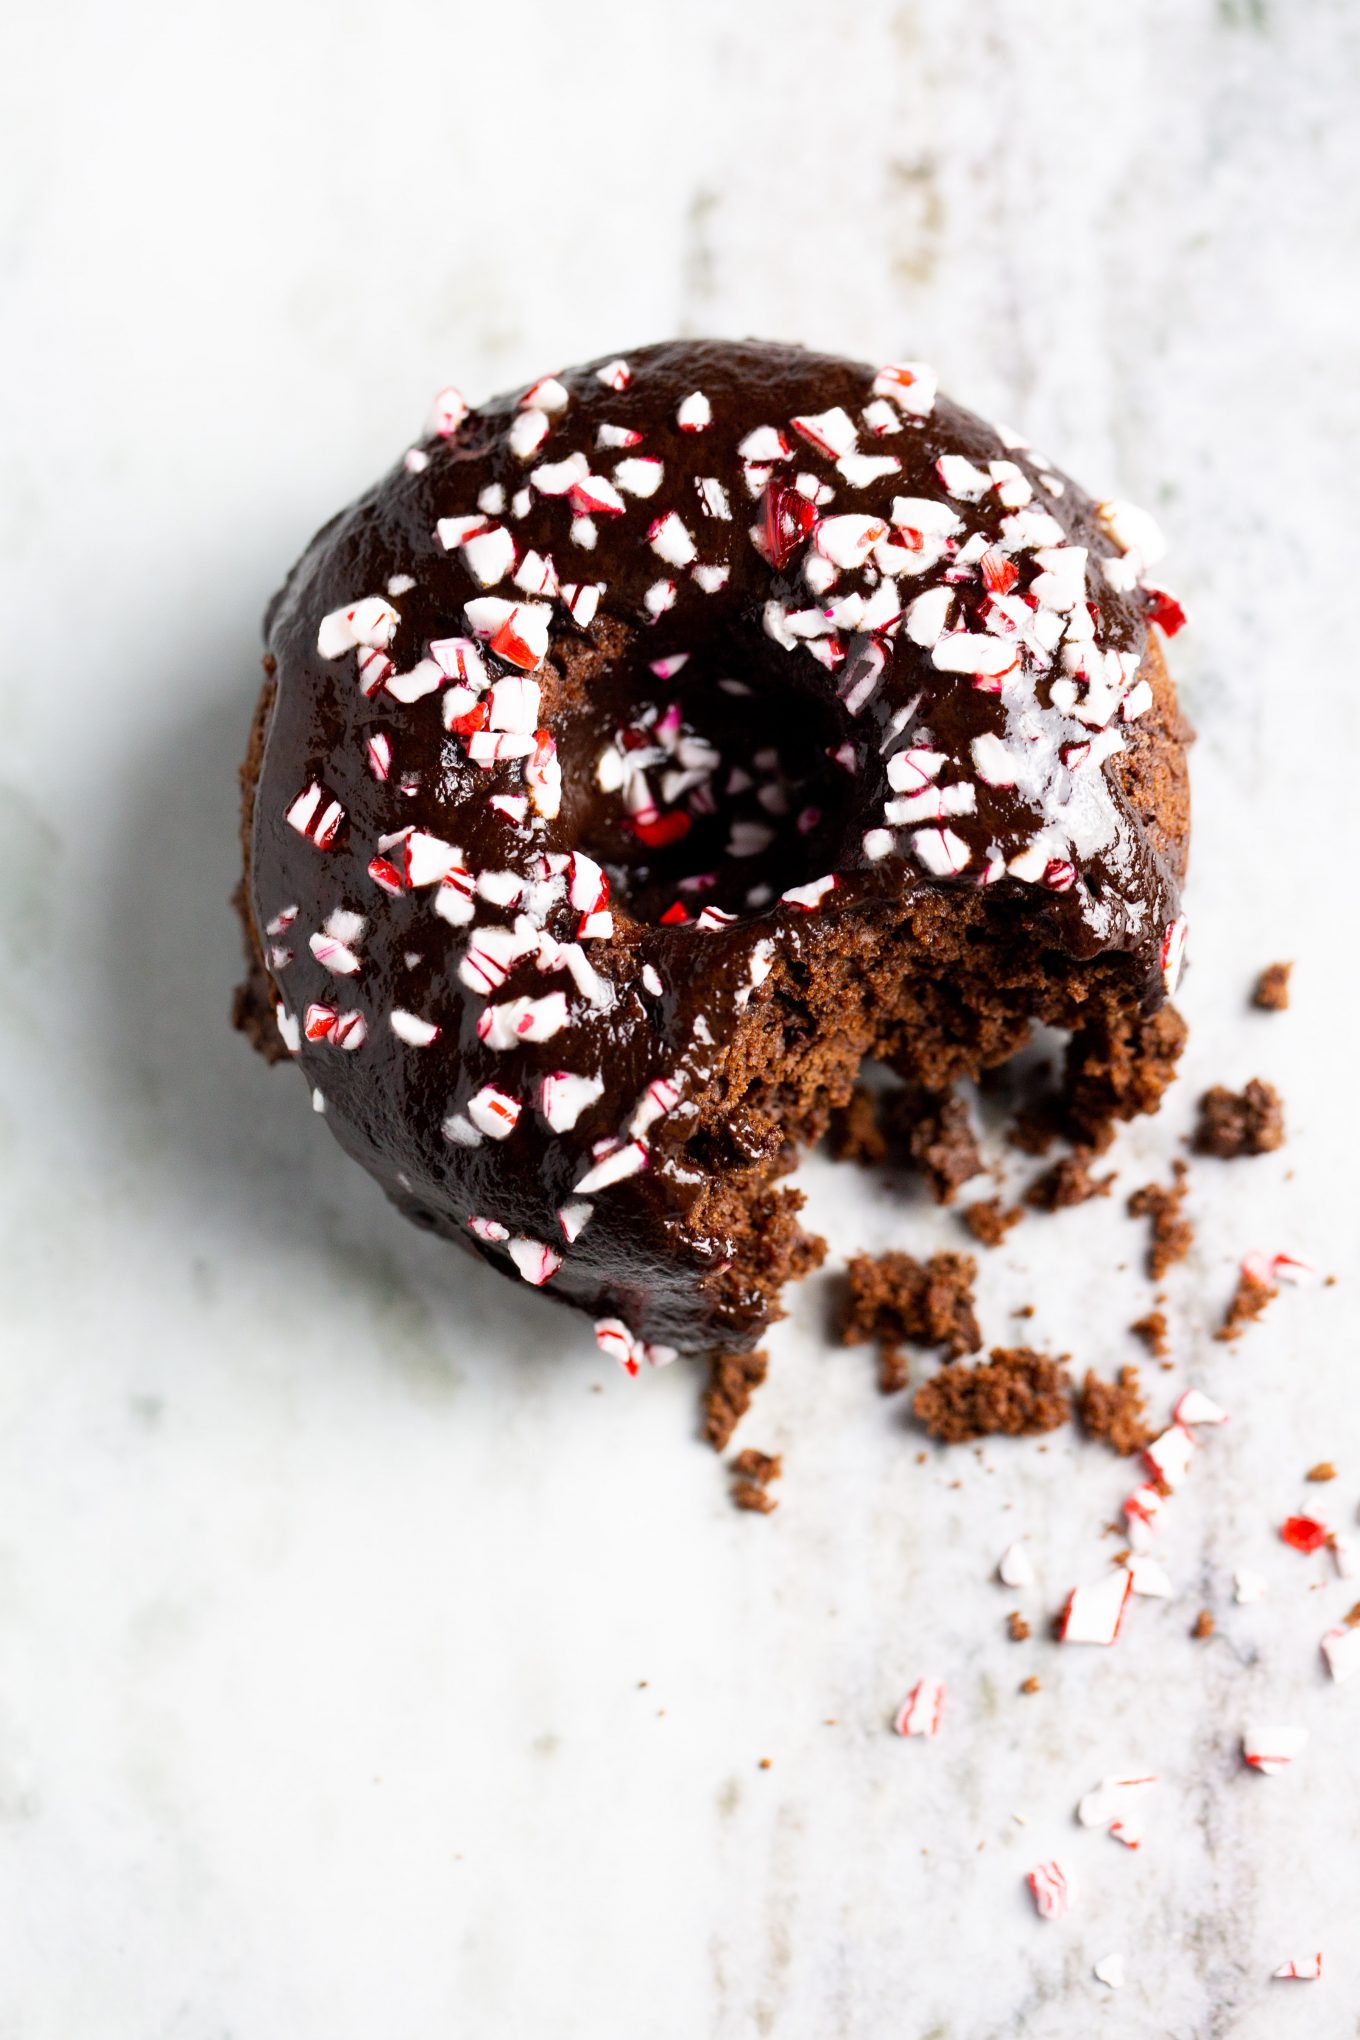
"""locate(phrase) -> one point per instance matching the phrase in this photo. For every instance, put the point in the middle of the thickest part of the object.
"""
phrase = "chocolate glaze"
(388, 1100)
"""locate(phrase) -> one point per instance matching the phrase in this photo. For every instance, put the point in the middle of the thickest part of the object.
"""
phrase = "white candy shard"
(1341, 1652)
(1110, 1971)
(640, 476)
(1249, 1586)
(1149, 1578)
(1132, 530)
(410, 1028)
(1014, 1568)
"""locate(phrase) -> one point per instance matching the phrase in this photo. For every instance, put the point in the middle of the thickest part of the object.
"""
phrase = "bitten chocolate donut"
(651, 746)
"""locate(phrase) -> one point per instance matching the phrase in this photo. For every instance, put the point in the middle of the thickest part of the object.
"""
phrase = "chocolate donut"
(652, 745)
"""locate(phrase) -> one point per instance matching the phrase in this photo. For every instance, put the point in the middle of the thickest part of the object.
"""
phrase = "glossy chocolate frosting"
(758, 639)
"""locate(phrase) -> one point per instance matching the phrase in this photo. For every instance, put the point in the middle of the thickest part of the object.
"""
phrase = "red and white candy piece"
(528, 430)
(1051, 1889)
(341, 1030)
(493, 1112)
(505, 1026)
(334, 947)
(563, 1097)
(671, 541)
(940, 851)
(574, 1217)
(694, 413)
(831, 432)
(370, 622)
(612, 1336)
(810, 896)
(1300, 1968)
(1095, 1613)
(615, 375)
(536, 1263)
(315, 815)
(488, 1229)
(490, 554)
(1173, 953)
(615, 1167)
(923, 1709)
(1117, 1805)
(548, 394)
(1141, 1511)
(517, 631)
(450, 409)
(911, 385)
(1272, 1749)
(1168, 1457)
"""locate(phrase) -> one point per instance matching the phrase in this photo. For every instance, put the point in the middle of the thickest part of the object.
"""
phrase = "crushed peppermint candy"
(922, 1711)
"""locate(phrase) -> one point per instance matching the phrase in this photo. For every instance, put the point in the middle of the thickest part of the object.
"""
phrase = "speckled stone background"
(372, 1661)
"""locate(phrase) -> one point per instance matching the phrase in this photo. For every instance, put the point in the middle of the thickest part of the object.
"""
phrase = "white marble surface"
(330, 1571)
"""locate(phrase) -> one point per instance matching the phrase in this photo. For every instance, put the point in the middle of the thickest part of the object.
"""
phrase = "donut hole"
(698, 789)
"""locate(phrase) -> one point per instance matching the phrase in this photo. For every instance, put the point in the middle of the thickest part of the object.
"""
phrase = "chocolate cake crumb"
(1118, 1068)
(760, 1466)
(1016, 1626)
(990, 1220)
(733, 1379)
(1237, 1123)
(1113, 1411)
(1151, 1329)
(1036, 1125)
(1172, 1235)
(1324, 1470)
(892, 1298)
(854, 1134)
(1204, 1625)
(752, 1473)
(936, 1133)
(1015, 1392)
(1068, 1182)
(1249, 1299)
(1030, 1685)
(1272, 988)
